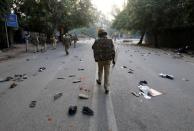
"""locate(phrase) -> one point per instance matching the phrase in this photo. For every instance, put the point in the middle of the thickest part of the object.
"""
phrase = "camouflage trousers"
(43, 47)
(66, 45)
(54, 44)
(104, 66)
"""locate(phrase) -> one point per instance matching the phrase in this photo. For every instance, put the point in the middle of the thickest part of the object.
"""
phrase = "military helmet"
(102, 32)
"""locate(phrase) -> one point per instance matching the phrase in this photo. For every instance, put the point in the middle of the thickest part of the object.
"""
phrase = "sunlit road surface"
(118, 111)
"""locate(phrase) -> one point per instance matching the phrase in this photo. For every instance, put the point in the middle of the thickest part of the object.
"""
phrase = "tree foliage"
(47, 15)
(155, 15)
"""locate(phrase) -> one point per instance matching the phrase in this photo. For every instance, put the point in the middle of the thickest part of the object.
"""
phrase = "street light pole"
(6, 33)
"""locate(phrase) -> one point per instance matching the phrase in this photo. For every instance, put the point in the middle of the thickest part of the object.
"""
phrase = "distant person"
(35, 41)
(104, 54)
(42, 42)
(66, 43)
(75, 39)
(27, 37)
(54, 41)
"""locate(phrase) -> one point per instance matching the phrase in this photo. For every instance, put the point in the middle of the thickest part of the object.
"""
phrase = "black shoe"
(72, 110)
(87, 111)
(106, 91)
(98, 82)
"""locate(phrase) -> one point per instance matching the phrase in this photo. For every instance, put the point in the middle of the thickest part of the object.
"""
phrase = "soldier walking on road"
(66, 42)
(104, 54)
(75, 39)
(54, 41)
(27, 37)
(42, 41)
(35, 41)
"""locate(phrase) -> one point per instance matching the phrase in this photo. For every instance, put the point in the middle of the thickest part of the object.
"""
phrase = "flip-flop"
(72, 110)
(87, 111)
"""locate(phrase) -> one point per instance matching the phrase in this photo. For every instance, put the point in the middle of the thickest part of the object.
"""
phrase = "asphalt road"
(118, 111)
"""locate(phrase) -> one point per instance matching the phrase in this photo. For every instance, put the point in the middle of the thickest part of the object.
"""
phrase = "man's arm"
(93, 46)
(113, 53)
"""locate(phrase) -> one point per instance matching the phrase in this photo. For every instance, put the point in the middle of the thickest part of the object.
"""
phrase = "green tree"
(47, 15)
(155, 16)
(4, 10)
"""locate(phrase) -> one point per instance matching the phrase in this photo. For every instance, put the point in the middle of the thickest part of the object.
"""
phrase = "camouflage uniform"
(42, 39)
(104, 53)
(74, 39)
(35, 41)
(54, 42)
(66, 43)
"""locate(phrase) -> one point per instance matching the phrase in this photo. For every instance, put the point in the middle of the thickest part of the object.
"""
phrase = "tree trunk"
(141, 39)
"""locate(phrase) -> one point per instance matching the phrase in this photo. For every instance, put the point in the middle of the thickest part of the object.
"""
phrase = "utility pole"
(6, 32)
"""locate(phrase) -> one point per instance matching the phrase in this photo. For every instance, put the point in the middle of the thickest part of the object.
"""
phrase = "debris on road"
(80, 69)
(143, 82)
(41, 69)
(148, 92)
(13, 85)
(78, 81)
(25, 76)
(81, 60)
(9, 78)
(87, 111)
(50, 119)
(83, 96)
(61, 78)
(153, 92)
(72, 110)
(27, 59)
(123, 67)
(144, 91)
(57, 96)
(171, 77)
(20, 77)
(135, 94)
(6, 79)
(130, 71)
(71, 75)
(32, 104)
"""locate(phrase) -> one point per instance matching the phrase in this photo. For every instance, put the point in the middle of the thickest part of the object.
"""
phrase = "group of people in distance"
(39, 40)
(67, 40)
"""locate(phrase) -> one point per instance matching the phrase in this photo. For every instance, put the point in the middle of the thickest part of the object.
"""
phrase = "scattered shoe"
(171, 77)
(83, 96)
(143, 82)
(81, 69)
(87, 111)
(32, 104)
(71, 75)
(72, 110)
(13, 85)
(57, 96)
(78, 81)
